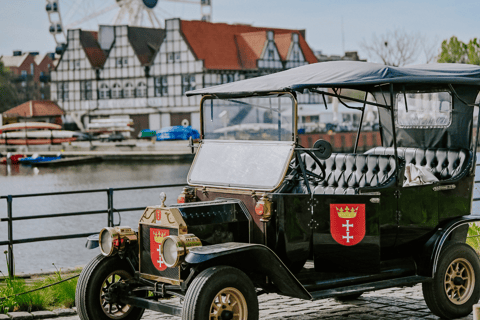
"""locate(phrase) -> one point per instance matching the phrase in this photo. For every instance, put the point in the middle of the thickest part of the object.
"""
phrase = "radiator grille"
(146, 262)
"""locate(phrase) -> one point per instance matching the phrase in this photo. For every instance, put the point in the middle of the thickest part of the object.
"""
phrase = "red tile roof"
(89, 41)
(35, 108)
(223, 46)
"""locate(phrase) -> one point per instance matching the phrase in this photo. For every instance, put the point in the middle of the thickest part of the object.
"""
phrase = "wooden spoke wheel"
(221, 293)
(229, 303)
(114, 310)
(96, 297)
(459, 281)
(455, 286)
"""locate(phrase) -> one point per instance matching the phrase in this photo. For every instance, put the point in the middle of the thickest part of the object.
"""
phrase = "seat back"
(346, 173)
(443, 163)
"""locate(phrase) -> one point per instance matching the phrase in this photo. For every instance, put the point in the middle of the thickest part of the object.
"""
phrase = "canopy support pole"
(360, 125)
(349, 98)
(394, 136)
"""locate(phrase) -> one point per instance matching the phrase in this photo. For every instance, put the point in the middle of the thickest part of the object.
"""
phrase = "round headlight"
(106, 239)
(172, 249)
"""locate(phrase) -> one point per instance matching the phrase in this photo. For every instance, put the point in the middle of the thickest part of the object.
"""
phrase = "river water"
(45, 256)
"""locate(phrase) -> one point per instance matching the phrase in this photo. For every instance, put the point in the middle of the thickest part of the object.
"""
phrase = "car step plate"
(371, 286)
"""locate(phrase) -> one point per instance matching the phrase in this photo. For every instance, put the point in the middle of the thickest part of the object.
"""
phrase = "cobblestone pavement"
(394, 303)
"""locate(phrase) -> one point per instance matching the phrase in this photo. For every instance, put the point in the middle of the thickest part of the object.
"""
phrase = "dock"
(129, 150)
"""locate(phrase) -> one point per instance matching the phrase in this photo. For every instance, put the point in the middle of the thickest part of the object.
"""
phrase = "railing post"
(110, 207)
(11, 267)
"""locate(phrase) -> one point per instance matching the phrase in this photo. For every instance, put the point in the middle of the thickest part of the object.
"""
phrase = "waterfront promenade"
(393, 303)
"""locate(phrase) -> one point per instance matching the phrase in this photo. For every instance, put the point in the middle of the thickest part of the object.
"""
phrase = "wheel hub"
(459, 281)
(229, 304)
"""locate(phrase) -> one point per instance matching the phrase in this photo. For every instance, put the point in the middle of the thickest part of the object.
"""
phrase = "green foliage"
(456, 51)
(473, 238)
(8, 92)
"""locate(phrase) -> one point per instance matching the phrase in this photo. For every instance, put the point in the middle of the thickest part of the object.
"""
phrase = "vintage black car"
(259, 205)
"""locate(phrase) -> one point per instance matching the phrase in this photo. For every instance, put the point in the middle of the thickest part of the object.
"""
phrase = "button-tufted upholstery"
(345, 173)
(443, 163)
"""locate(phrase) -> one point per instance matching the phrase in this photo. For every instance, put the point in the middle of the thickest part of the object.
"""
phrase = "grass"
(61, 295)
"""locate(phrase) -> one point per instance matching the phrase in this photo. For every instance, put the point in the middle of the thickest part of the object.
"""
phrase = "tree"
(456, 51)
(8, 92)
(398, 48)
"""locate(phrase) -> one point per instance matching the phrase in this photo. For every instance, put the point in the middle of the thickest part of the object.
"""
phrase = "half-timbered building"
(144, 72)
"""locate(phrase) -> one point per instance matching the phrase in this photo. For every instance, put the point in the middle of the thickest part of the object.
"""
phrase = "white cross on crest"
(348, 225)
(348, 237)
(160, 259)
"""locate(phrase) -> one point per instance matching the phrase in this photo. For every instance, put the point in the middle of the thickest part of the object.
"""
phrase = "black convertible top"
(348, 74)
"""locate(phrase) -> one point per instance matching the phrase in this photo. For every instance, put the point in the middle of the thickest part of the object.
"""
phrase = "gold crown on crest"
(158, 236)
(347, 213)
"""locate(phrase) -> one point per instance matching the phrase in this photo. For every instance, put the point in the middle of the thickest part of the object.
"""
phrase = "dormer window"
(271, 54)
(270, 35)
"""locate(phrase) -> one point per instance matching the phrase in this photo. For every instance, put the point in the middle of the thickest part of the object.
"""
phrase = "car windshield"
(256, 118)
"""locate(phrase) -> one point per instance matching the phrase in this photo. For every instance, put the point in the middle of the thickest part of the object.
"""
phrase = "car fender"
(430, 255)
(252, 259)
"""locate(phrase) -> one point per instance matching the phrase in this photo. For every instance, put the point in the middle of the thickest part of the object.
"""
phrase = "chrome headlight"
(115, 239)
(174, 248)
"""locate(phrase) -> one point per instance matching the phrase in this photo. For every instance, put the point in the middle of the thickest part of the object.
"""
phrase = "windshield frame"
(293, 97)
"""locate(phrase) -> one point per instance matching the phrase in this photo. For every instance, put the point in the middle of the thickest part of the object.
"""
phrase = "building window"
(86, 90)
(32, 69)
(119, 62)
(116, 91)
(141, 90)
(161, 86)
(296, 56)
(271, 54)
(104, 92)
(24, 73)
(128, 91)
(188, 83)
(72, 65)
(62, 91)
(171, 57)
(125, 62)
(78, 64)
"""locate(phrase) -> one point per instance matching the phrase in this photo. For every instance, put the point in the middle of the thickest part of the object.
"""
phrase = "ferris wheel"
(68, 14)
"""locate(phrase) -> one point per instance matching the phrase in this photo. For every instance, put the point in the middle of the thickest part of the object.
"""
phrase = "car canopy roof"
(347, 74)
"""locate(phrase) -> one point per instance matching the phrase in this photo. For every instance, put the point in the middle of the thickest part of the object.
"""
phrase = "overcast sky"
(24, 23)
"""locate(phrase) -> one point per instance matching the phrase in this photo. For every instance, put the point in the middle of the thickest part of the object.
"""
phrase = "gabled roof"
(145, 43)
(89, 42)
(283, 42)
(35, 108)
(39, 58)
(13, 61)
(224, 46)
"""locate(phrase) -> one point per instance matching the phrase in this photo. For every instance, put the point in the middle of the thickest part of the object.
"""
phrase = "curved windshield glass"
(257, 118)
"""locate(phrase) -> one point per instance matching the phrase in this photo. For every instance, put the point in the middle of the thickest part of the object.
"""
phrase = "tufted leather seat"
(443, 163)
(346, 173)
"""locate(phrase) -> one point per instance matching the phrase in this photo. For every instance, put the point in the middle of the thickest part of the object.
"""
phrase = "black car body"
(259, 205)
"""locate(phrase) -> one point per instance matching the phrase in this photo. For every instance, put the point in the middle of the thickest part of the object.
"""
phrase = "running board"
(371, 286)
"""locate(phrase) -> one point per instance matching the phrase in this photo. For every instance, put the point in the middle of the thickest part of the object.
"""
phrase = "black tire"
(349, 297)
(89, 287)
(453, 297)
(209, 284)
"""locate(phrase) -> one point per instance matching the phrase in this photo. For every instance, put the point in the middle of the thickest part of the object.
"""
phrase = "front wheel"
(221, 293)
(91, 296)
(455, 287)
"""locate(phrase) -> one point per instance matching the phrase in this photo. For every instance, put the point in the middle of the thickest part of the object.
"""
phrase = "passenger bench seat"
(443, 163)
(347, 173)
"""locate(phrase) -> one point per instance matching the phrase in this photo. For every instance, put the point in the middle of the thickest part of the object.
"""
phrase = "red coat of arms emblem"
(347, 223)
(156, 238)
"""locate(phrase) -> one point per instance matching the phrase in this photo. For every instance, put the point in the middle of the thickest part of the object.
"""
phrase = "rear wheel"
(91, 297)
(221, 293)
(456, 284)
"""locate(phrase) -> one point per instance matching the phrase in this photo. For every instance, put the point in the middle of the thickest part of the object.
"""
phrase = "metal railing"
(109, 211)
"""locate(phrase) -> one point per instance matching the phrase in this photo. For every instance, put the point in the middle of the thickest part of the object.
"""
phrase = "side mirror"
(322, 149)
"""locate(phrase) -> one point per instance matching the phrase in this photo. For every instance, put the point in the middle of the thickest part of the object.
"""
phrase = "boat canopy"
(346, 74)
